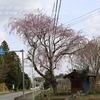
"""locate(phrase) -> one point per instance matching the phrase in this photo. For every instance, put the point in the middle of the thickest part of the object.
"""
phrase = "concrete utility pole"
(23, 72)
(32, 78)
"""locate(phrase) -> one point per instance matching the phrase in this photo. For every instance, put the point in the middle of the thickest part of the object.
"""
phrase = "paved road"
(11, 96)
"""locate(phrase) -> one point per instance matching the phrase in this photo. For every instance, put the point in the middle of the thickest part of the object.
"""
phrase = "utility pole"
(32, 77)
(23, 72)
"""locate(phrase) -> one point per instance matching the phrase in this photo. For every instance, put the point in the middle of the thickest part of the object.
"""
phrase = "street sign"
(1, 51)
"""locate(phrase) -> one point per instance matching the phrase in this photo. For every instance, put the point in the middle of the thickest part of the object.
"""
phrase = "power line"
(81, 20)
(94, 27)
(83, 15)
(76, 20)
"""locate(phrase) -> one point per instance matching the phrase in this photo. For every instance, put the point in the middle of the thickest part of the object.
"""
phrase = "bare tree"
(89, 58)
(49, 43)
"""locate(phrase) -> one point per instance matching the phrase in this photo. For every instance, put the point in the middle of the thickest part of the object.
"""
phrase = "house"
(79, 81)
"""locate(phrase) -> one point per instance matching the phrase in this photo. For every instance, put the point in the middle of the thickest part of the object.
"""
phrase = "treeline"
(46, 84)
(11, 70)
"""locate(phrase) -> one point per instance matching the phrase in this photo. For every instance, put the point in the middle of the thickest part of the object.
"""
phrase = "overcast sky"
(70, 9)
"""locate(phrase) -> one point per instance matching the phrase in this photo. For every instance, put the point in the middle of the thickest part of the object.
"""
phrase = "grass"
(49, 94)
(89, 97)
(43, 95)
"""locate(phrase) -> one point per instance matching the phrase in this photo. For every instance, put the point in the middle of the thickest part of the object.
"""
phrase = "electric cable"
(86, 18)
(83, 15)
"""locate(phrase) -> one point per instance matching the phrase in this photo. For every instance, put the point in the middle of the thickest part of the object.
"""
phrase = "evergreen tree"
(15, 72)
(11, 72)
(27, 82)
(4, 69)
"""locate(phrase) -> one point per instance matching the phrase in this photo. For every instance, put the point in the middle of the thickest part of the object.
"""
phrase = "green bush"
(46, 85)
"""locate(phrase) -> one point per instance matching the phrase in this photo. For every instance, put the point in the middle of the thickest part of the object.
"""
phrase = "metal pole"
(32, 84)
(23, 72)
(32, 79)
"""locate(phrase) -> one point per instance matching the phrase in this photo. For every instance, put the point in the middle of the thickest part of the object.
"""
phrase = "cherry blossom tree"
(89, 59)
(49, 43)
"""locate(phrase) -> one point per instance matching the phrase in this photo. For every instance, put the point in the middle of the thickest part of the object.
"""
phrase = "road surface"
(11, 96)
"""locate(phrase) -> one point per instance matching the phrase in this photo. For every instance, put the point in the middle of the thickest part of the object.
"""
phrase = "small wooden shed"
(77, 84)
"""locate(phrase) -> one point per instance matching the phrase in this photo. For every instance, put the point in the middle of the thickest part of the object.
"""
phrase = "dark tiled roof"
(77, 72)
(91, 75)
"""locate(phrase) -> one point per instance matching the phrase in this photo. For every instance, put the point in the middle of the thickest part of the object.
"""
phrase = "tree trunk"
(54, 86)
(54, 89)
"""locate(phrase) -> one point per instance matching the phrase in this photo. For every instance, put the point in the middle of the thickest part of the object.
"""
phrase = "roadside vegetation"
(47, 94)
(11, 74)
(90, 96)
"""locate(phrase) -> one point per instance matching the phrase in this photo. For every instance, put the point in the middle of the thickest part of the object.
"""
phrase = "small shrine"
(79, 82)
